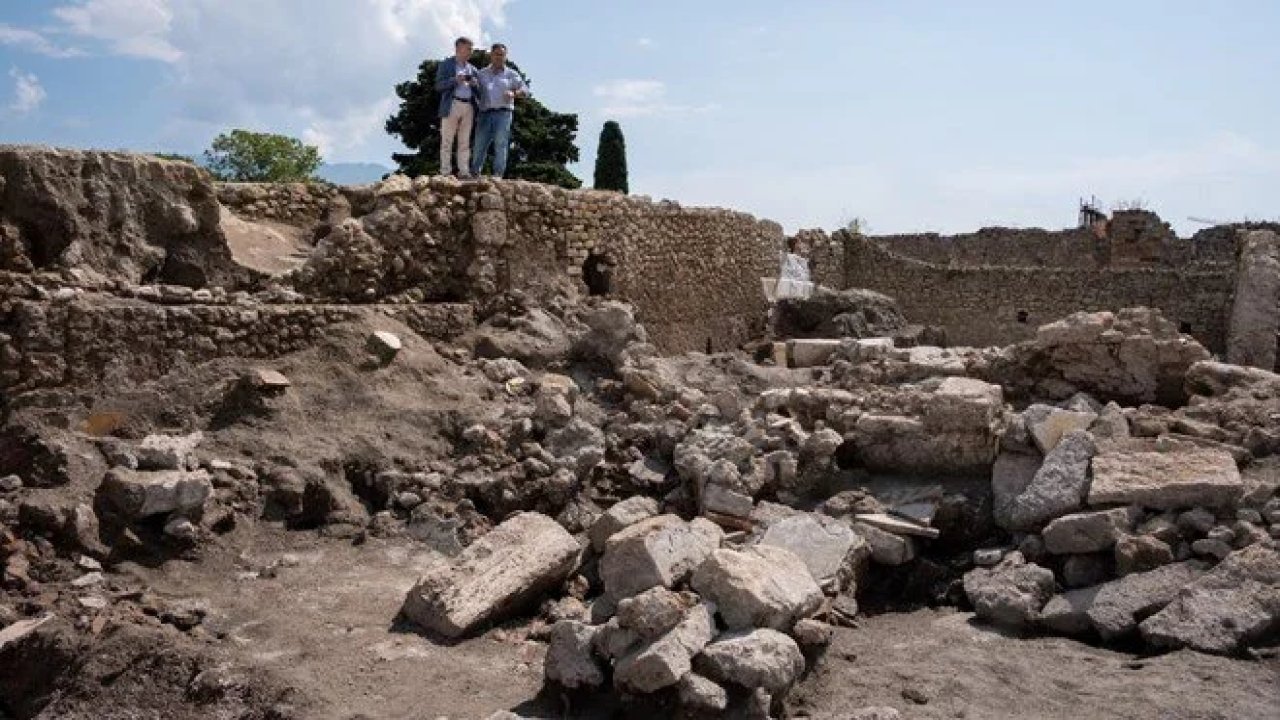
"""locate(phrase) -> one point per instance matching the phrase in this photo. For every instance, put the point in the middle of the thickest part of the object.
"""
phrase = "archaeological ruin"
(494, 449)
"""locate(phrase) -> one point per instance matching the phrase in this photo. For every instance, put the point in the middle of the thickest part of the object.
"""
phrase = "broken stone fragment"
(654, 612)
(1047, 425)
(1088, 532)
(760, 658)
(267, 380)
(1182, 477)
(832, 552)
(140, 495)
(508, 568)
(167, 452)
(886, 547)
(570, 661)
(384, 346)
(760, 586)
(1010, 477)
(896, 525)
(622, 514)
(664, 661)
(1011, 594)
(1118, 606)
(1140, 553)
(661, 550)
(1059, 486)
(699, 694)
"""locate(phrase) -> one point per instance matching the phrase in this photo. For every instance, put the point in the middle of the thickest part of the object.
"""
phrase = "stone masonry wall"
(999, 305)
(692, 273)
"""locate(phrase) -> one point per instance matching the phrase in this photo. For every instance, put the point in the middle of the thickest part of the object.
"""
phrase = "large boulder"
(537, 339)
(1011, 594)
(659, 551)
(621, 515)
(760, 658)
(1183, 476)
(138, 495)
(759, 586)
(1234, 605)
(508, 568)
(1088, 532)
(135, 218)
(571, 661)
(838, 313)
(1116, 608)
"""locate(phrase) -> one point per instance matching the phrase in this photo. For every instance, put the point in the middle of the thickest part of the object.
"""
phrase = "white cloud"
(639, 98)
(33, 41)
(324, 70)
(644, 42)
(137, 28)
(28, 93)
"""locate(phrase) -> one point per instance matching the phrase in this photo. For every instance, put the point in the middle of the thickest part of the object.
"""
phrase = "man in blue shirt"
(498, 87)
(456, 83)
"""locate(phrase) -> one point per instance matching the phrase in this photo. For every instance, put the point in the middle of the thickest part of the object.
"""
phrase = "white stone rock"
(830, 549)
(1047, 425)
(812, 352)
(759, 586)
(664, 661)
(896, 525)
(167, 452)
(384, 345)
(144, 494)
(886, 547)
(760, 658)
(622, 514)
(1184, 477)
(661, 550)
(517, 561)
(1088, 532)
(570, 660)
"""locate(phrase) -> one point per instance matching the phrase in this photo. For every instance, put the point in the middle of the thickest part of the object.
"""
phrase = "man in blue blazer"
(456, 83)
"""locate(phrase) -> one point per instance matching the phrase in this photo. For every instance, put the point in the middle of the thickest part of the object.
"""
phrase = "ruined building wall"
(996, 305)
(1029, 247)
(692, 273)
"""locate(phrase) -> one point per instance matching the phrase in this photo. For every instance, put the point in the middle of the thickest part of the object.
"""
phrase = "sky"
(912, 115)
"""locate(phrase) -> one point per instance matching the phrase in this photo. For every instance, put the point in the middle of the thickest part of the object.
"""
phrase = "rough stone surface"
(167, 452)
(664, 661)
(700, 694)
(1010, 477)
(830, 550)
(570, 661)
(1118, 606)
(1139, 553)
(886, 547)
(510, 566)
(1088, 532)
(761, 658)
(1255, 310)
(1185, 477)
(760, 586)
(144, 494)
(661, 550)
(1047, 424)
(654, 612)
(1010, 594)
(622, 514)
(1059, 486)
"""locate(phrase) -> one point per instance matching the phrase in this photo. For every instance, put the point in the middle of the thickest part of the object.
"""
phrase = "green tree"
(542, 140)
(611, 159)
(244, 156)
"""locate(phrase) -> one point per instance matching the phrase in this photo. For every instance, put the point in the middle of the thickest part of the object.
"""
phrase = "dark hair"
(497, 46)
(463, 41)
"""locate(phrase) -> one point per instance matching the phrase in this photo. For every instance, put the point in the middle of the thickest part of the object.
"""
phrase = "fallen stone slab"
(664, 661)
(1088, 532)
(1010, 477)
(21, 629)
(1119, 606)
(812, 352)
(384, 346)
(759, 586)
(886, 547)
(1184, 477)
(661, 550)
(896, 525)
(140, 495)
(830, 550)
(622, 514)
(1068, 613)
(512, 565)
(760, 658)
(1012, 593)
(964, 404)
(1059, 486)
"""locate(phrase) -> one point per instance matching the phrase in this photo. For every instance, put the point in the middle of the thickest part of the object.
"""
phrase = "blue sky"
(914, 115)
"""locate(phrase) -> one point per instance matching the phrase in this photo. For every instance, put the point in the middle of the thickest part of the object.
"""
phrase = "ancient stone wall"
(300, 204)
(692, 273)
(997, 305)
(1026, 247)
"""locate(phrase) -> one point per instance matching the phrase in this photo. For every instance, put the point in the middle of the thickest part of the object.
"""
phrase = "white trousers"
(457, 125)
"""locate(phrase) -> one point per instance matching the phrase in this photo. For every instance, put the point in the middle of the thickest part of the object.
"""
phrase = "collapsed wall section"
(997, 305)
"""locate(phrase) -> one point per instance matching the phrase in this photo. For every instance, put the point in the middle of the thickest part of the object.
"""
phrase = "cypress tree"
(611, 159)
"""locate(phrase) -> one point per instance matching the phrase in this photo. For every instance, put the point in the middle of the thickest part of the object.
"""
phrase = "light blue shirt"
(463, 92)
(494, 86)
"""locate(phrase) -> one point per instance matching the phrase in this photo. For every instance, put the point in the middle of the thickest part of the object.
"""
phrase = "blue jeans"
(493, 128)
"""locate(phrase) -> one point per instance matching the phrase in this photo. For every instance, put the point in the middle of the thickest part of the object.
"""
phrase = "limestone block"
(1183, 477)
(760, 658)
(661, 550)
(1088, 532)
(664, 661)
(829, 549)
(759, 586)
(144, 494)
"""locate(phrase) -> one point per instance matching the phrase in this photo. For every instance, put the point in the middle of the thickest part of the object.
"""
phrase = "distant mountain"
(352, 173)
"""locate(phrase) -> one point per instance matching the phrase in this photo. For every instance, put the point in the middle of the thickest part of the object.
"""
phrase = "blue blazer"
(446, 83)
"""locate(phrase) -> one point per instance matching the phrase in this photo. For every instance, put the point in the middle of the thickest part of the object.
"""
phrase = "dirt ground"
(326, 625)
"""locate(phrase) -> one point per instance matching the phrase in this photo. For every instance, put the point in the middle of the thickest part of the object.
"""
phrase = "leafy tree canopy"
(542, 140)
(244, 156)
